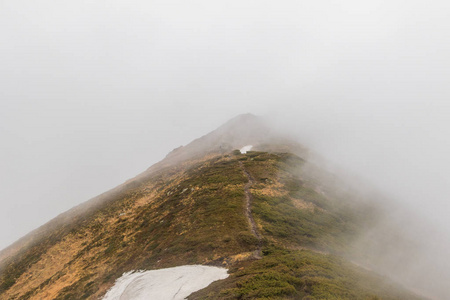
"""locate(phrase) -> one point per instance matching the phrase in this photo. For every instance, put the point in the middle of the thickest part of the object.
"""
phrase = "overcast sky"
(94, 92)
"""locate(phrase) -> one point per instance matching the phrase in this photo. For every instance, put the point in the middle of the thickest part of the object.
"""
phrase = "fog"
(94, 92)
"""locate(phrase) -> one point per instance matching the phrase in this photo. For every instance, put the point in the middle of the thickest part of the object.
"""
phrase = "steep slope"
(278, 230)
(165, 221)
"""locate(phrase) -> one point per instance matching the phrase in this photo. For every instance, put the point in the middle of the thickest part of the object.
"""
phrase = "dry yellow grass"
(302, 204)
(50, 263)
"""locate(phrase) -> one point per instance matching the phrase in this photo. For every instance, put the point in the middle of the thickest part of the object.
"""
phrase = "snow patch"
(246, 148)
(171, 283)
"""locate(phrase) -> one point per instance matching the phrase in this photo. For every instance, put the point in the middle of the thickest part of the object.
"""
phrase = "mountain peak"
(242, 130)
(245, 124)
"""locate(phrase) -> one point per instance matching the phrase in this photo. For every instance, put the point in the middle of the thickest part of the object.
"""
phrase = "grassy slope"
(301, 274)
(195, 214)
(292, 215)
(296, 214)
(185, 215)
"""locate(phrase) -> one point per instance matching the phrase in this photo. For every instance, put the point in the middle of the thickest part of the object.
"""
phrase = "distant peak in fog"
(240, 131)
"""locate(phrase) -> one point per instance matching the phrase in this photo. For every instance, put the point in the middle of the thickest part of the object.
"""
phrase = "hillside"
(281, 232)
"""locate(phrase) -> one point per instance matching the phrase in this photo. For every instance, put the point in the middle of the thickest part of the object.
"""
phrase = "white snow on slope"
(171, 283)
(246, 148)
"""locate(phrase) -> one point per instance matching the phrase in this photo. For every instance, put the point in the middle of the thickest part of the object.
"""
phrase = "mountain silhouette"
(282, 227)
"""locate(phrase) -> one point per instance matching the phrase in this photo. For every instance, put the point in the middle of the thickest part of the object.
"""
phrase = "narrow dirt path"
(248, 210)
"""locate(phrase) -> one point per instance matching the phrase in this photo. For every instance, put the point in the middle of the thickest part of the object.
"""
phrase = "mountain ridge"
(206, 203)
(166, 162)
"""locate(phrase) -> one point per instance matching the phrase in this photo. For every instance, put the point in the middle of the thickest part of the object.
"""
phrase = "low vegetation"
(301, 274)
(194, 214)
